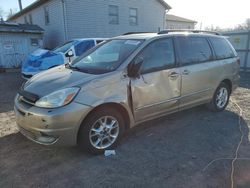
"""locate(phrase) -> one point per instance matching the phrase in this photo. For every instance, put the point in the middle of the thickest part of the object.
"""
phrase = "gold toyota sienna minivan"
(123, 82)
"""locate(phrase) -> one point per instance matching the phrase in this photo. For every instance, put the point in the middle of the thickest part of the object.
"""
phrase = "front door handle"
(186, 72)
(173, 75)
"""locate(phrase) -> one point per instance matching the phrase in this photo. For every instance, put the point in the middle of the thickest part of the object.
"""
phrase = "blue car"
(42, 59)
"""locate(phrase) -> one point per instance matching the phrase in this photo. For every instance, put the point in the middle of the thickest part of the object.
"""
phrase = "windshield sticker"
(133, 42)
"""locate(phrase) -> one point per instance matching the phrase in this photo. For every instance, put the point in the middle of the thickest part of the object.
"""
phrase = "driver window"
(158, 55)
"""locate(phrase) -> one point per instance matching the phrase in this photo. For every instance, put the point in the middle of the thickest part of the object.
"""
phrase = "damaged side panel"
(115, 92)
(155, 94)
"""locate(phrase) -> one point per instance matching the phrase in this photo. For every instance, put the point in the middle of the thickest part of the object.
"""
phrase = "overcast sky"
(222, 13)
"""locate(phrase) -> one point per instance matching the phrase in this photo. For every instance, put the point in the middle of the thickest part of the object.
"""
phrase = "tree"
(1, 13)
(247, 23)
(243, 26)
(11, 12)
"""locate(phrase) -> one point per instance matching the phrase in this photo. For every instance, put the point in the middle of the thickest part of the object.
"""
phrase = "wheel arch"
(118, 107)
(229, 83)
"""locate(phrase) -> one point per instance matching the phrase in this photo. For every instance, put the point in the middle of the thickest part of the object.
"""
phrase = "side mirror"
(134, 68)
(69, 54)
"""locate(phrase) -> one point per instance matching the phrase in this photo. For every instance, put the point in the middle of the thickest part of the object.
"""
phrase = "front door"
(157, 91)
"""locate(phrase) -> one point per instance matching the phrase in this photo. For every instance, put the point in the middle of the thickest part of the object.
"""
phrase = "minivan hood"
(55, 79)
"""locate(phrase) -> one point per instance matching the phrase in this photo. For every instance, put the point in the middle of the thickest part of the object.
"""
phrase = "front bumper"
(28, 75)
(50, 126)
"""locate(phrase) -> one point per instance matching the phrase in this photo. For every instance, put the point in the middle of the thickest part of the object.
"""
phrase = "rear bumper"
(50, 126)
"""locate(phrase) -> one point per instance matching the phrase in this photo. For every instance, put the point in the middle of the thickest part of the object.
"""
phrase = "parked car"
(42, 59)
(125, 81)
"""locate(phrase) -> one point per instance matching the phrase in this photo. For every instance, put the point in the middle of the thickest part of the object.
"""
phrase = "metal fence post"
(247, 51)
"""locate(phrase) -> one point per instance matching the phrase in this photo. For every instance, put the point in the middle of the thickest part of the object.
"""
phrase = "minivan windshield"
(106, 57)
(63, 48)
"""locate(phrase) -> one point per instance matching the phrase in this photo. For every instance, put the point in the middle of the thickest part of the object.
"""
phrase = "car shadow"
(9, 85)
(171, 151)
(245, 80)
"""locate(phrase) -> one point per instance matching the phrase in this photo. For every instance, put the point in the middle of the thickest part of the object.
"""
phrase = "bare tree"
(243, 26)
(247, 23)
(1, 13)
(11, 12)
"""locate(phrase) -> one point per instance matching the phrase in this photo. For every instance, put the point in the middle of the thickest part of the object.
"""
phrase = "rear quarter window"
(192, 50)
(222, 48)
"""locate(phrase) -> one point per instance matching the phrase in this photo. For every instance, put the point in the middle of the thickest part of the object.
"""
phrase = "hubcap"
(221, 97)
(104, 132)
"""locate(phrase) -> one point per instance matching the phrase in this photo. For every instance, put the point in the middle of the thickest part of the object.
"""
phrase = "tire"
(96, 135)
(219, 102)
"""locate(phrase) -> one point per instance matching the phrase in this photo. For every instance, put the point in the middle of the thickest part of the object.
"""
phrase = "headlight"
(58, 98)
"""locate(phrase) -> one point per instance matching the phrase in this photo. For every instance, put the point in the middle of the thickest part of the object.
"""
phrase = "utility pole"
(20, 5)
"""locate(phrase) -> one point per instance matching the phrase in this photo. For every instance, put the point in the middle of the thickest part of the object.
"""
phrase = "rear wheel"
(101, 131)
(220, 99)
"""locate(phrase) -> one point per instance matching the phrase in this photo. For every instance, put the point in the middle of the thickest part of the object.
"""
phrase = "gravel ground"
(175, 151)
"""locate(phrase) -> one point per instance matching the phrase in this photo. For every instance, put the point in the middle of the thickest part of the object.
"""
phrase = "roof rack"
(132, 33)
(187, 30)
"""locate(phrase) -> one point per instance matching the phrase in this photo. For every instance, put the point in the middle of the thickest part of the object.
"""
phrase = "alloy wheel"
(104, 132)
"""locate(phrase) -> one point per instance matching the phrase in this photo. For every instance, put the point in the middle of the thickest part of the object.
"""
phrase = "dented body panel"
(155, 93)
(145, 97)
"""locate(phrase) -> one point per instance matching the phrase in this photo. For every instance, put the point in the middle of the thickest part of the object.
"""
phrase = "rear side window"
(193, 50)
(158, 55)
(82, 47)
(222, 48)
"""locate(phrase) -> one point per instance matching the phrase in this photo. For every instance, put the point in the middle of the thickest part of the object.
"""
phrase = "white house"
(63, 20)
(17, 41)
(176, 22)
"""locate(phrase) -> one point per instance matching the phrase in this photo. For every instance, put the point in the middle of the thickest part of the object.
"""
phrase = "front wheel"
(101, 131)
(220, 99)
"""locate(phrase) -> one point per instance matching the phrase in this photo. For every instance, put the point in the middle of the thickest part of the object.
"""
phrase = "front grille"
(27, 76)
(27, 97)
(23, 99)
(21, 112)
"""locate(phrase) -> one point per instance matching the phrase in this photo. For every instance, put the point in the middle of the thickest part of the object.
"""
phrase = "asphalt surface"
(193, 148)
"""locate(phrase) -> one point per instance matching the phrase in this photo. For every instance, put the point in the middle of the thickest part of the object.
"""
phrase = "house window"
(46, 15)
(34, 42)
(113, 14)
(133, 16)
(30, 19)
(25, 20)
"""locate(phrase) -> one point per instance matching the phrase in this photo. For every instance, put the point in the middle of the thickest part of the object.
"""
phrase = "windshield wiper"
(69, 66)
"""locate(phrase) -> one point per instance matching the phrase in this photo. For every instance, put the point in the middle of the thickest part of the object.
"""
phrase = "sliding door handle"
(173, 75)
(186, 72)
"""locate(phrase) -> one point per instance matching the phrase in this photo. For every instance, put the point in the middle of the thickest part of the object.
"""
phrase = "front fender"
(113, 93)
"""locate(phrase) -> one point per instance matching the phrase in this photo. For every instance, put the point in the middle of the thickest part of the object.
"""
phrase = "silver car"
(125, 81)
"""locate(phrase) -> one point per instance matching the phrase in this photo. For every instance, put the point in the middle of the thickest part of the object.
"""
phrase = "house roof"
(38, 3)
(164, 3)
(171, 17)
(19, 28)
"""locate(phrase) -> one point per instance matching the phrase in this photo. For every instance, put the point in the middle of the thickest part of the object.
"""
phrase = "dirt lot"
(175, 151)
